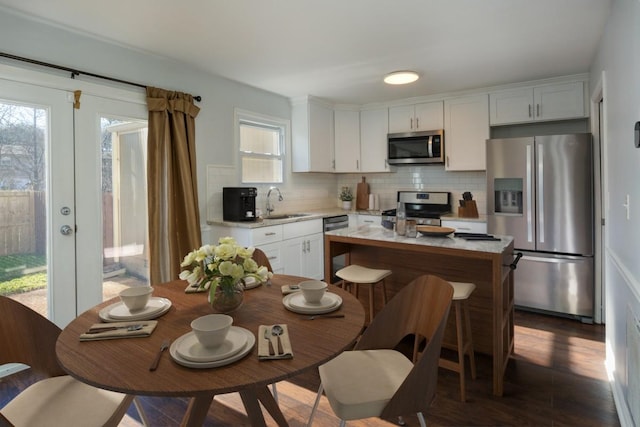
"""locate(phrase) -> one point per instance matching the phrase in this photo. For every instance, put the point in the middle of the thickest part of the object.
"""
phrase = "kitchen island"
(485, 263)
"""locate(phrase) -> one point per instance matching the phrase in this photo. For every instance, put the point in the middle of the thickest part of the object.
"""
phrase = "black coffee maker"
(239, 203)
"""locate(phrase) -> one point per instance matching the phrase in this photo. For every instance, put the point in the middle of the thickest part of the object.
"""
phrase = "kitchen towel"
(147, 328)
(263, 343)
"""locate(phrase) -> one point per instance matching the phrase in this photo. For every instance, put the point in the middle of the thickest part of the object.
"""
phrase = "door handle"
(66, 230)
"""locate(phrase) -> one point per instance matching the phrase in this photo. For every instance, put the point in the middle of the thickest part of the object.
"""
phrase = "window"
(261, 143)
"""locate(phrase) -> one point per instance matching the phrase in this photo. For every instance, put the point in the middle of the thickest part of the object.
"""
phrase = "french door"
(72, 197)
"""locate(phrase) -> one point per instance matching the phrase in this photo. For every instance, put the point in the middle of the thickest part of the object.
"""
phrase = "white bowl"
(313, 290)
(211, 330)
(136, 297)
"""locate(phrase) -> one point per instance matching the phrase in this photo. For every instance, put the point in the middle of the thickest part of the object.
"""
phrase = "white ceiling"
(340, 49)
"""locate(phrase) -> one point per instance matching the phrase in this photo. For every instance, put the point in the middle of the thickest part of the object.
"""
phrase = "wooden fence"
(22, 222)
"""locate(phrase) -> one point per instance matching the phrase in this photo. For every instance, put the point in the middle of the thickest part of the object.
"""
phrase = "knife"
(156, 361)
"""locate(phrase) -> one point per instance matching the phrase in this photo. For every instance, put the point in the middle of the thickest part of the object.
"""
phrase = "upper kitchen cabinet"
(466, 128)
(312, 139)
(373, 140)
(347, 140)
(414, 118)
(556, 101)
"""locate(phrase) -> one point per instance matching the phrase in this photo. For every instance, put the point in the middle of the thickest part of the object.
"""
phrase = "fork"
(156, 361)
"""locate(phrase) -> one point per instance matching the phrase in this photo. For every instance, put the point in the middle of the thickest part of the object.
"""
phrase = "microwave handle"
(430, 145)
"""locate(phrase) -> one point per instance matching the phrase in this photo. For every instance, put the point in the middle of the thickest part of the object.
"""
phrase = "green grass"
(22, 273)
(22, 284)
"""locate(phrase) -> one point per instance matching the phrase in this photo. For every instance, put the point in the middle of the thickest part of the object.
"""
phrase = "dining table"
(123, 365)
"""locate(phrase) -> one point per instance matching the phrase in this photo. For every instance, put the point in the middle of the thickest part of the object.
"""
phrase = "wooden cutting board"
(362, 195)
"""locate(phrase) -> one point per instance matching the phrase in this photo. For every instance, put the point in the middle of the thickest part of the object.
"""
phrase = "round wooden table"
(123, 364)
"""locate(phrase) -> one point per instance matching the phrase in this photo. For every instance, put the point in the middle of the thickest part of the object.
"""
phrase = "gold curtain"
(174, 218)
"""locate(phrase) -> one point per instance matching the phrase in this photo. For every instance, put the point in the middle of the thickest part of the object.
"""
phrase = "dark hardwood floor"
(555, 378)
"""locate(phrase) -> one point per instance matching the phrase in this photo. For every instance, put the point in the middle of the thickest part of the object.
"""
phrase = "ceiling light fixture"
(401, 77)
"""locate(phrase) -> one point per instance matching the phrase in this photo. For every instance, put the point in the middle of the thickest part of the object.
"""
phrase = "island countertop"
(487, 264)
(450, 241)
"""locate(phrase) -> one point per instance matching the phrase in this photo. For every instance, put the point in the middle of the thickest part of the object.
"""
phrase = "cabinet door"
(320, 138)
(293, 251)
(314, 257)
(429, 116)
(373, 140)
(511, 106)
(312, 137)
(559, 101)
(347, 141)
(466, 132)
(369, 220)
(401, 119)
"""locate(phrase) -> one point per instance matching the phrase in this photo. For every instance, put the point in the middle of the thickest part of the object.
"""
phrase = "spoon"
(276, 331)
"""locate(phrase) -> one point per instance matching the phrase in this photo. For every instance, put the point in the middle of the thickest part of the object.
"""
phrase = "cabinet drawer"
(302, 228)
(263, 235)
(466, 226)
(273, 251)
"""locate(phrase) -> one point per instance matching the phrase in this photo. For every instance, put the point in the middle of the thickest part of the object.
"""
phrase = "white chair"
(58, 399)
(358, 275)
(375, 380)
(464, 342)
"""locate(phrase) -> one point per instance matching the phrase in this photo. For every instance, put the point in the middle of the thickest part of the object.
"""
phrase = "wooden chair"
(57, 399)
(261, 258)
(375, 380)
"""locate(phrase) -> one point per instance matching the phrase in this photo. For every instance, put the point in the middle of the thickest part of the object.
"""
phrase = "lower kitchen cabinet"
(465, 226)
(304, 256)
(295, 248)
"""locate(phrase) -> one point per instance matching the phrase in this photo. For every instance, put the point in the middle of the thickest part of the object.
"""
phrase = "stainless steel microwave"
(415, 148)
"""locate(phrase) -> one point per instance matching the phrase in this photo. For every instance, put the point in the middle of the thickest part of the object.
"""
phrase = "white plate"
(251, 341)
(106, 317)
(189, 348)
(251, 282)
(295, 302)
(120, 311)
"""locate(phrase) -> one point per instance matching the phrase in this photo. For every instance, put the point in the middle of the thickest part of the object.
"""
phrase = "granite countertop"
(265, 222)
(449, 241)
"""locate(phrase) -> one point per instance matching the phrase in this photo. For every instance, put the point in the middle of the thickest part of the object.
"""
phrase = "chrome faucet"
(270, 207)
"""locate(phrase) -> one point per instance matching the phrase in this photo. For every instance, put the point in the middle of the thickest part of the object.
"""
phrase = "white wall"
(619, 58)
(214, 125)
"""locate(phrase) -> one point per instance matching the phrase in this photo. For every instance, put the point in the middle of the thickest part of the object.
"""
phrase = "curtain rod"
(75, 72)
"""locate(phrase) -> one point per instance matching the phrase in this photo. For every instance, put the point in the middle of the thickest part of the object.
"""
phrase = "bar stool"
(359, 275)
(461, 293)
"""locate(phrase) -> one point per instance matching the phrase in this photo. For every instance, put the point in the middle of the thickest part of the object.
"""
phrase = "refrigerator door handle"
(529, 184)
(540, 204)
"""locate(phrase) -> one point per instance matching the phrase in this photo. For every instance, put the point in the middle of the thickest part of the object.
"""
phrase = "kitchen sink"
(286, 216)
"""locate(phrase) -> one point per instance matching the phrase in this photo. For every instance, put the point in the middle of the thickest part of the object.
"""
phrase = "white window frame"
(242, 116)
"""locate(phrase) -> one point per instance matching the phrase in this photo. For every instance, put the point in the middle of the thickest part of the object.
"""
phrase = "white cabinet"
(303, 249)
(312, 136)
(466, 130)
(304, 256)
(465, 226)
(347, 140)
(539, 103)
(365, 220)
(373, 140)
(418, 117)
(295, 248)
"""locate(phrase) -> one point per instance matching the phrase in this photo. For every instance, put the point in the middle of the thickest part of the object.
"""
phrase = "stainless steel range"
(425, 207)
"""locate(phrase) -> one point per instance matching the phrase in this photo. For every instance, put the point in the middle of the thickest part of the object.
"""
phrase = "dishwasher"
(335, 223)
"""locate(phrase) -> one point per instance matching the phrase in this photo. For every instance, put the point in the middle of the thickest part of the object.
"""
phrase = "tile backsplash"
(311, 191)
(427, 178)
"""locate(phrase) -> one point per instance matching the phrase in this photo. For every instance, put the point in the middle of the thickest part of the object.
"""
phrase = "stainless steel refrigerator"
(540, 191)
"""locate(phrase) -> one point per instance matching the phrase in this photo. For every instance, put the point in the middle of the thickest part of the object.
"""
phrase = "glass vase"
(227, 297)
